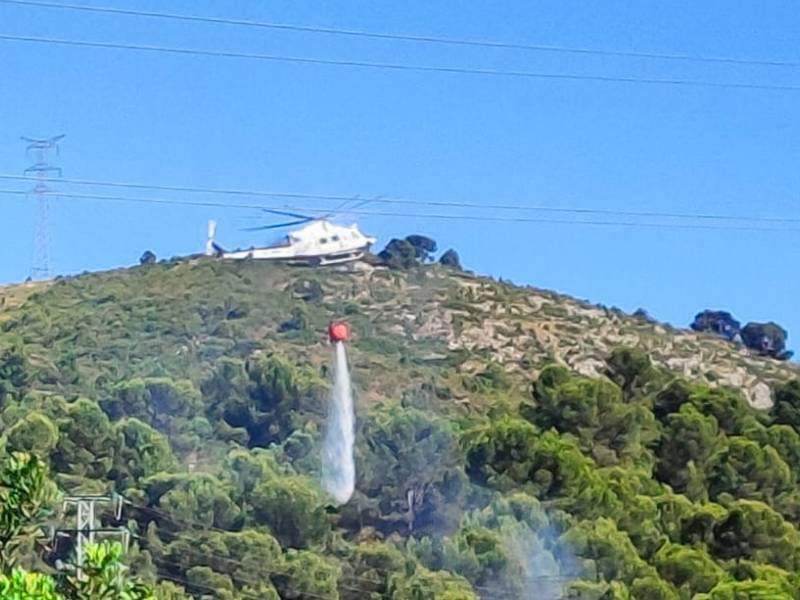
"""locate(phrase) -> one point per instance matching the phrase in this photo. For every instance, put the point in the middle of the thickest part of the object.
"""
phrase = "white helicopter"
(319, 243)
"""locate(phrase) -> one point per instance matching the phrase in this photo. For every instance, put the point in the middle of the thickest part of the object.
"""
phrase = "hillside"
(177, 318)
(509, 438)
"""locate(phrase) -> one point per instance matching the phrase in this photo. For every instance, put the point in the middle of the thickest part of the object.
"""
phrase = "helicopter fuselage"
(318, 243)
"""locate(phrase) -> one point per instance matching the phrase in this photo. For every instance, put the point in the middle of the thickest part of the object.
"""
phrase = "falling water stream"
(338, 466)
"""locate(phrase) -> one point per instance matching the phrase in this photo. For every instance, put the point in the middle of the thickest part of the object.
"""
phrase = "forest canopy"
(473, 480)
(635, 485)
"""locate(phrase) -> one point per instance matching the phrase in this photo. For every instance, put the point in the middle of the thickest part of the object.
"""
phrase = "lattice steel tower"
(87, 528)
(38, 149)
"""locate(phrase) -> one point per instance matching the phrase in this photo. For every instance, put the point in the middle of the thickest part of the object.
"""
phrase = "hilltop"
(176, 318)
(509, 438)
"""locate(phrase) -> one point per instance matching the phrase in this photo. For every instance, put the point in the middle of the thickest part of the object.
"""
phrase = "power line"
(551, 579)
(238, 578)
(239, 592)
(187, 189)
(406, 201)
(417, 215)
(183, 522)
(395, 66)
(185, 582)
(352, 579)
(405, 37)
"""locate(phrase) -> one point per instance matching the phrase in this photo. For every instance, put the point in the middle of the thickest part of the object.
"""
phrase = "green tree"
(500, 454)
(103, 577)
(411, 464)
(609, 550)
(372, 564)
(509, 453)
(689, 569)
(451, 259)
(308, 290)
(422, 584)
(20, 585)
(786, 408)
(493, 377)
(671, 397)
(726, 405)
(15, 374)
(227, 397)
(768, 339)
(192, 500)
(298, 320)
(86, 442)
(269, 400)
(632, 370)
(141, 452)
(752, 530)
(652, 588)
(246, 469)
(166, 590)
(25, 493)
(399, 254)
(25, 498)
(689, 440)
(747, 469)
(206, 583)
(593, 411)
(786, 442)
(307, 576)
(293, 510)
(34, 433)
(585, 590)
(247, 557)
(173, 407)
(477, 553)
(423, 246)
(284, 397)
(748, 590)
(633, 505)
(685, 522)
(717, 321)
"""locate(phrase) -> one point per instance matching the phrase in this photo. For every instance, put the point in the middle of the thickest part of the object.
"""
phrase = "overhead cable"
(416, 215)
(407, 201)
(419, 38)
(397, 67)
(184, 522)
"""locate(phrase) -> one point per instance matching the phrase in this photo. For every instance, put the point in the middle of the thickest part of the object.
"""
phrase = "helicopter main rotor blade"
(287, 214)
(277, 225)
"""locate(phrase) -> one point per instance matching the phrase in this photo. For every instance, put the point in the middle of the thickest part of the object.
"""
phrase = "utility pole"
(40, 169)
(87, 527)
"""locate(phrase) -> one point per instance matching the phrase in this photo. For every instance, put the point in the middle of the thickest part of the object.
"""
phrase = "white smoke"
(542, 578)
(338, 466)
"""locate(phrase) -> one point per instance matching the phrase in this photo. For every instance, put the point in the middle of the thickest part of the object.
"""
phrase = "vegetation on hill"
(25, 496)
(485, 469)
(767, 339)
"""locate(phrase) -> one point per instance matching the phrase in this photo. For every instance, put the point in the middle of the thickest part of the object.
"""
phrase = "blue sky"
(216, 122)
